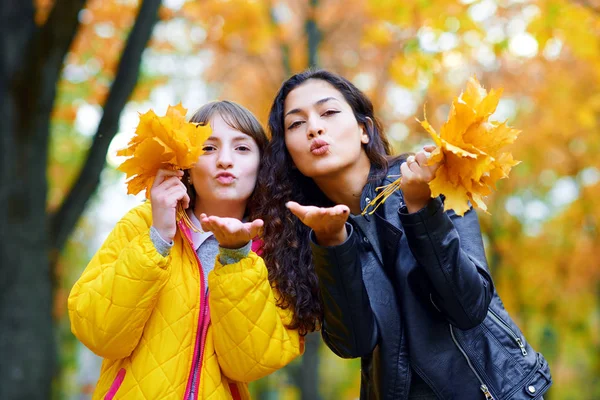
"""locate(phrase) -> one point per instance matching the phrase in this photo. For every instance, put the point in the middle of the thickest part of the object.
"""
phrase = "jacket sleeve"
(112, 300)
(450, 248)
(349, 328)
(250, 332)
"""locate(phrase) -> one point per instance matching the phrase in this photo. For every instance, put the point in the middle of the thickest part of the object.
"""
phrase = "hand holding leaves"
(168, 142)
(416, 176)
(468, 156)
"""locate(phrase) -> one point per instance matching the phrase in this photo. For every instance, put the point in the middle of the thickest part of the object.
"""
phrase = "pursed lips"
(319, 147)
(225, 178)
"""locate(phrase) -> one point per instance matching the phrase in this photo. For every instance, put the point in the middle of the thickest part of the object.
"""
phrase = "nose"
(225, 159)
(315, 128)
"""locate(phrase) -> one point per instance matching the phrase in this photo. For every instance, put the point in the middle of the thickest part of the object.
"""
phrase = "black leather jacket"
(412, 292)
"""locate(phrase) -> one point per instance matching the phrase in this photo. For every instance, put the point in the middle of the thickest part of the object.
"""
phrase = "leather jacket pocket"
(537, 385)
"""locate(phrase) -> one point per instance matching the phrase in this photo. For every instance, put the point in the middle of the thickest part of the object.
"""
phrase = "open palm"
(328, 223)
(231, 233)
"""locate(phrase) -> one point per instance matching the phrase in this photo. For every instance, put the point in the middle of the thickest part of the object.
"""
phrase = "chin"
(322, 168)
(230, 194)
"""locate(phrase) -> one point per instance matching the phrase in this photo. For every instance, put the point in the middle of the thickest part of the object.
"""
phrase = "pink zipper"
(205, 322)
(200, 331)
(235, 392)
(114, 388)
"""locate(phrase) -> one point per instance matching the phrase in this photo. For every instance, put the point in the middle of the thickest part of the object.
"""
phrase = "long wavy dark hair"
(286, 240)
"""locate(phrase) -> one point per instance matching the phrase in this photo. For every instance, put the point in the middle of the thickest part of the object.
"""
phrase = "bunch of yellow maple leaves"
(169, 142)
(470, 150)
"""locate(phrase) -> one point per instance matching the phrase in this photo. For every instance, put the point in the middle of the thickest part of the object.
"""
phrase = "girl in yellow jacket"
(180, 314)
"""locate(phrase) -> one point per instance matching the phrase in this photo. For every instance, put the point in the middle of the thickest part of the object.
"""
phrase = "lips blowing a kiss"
(319, 147)
(225, 178)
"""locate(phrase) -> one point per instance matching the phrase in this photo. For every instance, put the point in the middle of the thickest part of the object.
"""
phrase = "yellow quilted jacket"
(151, 318)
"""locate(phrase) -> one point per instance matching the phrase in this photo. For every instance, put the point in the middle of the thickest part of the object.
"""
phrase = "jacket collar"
(373, 183)
(194, 238)
(197, 238)
(383, 226)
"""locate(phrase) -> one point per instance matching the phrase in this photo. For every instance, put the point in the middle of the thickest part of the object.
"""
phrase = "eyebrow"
(239, 138)
(298, 110)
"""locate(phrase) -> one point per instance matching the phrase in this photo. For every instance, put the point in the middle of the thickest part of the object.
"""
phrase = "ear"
(364, 129)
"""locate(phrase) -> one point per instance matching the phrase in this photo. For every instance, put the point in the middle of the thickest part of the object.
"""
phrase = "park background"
(76, 74)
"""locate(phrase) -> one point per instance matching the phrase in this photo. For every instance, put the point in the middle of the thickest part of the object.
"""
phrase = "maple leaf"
(470, 150)
(169, 142)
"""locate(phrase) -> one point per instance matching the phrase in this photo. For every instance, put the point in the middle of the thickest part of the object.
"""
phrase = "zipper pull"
(521, 346)
(486, 392)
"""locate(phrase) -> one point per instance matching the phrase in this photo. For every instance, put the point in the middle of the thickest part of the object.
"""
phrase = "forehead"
(221, 129)
(311, 91)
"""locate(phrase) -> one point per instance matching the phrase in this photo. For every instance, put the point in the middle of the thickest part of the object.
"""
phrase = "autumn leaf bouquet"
(470, 149)
(168, 142)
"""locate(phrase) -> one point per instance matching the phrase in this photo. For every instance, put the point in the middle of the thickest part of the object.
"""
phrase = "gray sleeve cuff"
(231, 256)
(162, 247)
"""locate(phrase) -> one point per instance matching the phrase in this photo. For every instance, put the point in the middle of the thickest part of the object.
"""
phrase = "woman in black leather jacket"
(407, 289)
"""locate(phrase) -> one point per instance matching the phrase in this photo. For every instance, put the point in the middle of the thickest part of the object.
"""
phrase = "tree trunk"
(31, 59)
(309, 373)
(313, 35)
(68, 214)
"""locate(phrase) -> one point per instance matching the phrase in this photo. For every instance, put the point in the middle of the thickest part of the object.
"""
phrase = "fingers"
(338, 210)
(218, 225)
(416, 168)
(185, 201)
(255, 228)
(171, 196)
(205, 223)
(421, 158)
(411, 164)
(163, 174)
(170, 182)
(406, 172)
(230, 232)
(298, 210)
(429, 148)
(303, 212)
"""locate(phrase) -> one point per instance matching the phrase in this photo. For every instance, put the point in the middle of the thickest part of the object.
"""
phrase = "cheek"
(200, 170)
(293, 147)
(254, 169)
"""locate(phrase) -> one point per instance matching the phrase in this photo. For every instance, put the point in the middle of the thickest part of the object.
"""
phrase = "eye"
(330, 112)
(208, 148)
(295, 124)
(243, 147)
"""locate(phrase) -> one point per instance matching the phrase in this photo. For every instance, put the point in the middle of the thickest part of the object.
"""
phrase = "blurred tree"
(32, 235)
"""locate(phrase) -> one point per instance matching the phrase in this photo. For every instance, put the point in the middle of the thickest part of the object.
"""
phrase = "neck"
(224, 209)
(346, 186)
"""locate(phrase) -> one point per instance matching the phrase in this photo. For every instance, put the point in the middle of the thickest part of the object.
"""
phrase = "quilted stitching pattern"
(139, 311)
(247, 324)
